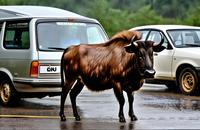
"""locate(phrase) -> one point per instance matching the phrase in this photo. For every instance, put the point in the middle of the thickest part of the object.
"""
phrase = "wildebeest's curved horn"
(161, 41)
(132, 39)
(133, 42)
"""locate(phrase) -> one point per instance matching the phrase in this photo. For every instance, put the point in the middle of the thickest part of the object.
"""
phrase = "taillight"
(34, 69)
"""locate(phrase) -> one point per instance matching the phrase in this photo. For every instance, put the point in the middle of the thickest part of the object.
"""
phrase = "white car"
(178, 65)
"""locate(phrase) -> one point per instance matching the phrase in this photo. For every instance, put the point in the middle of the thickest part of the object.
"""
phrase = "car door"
(162, 60)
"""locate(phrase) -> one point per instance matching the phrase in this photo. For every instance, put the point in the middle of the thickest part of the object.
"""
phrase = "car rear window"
(52, 35)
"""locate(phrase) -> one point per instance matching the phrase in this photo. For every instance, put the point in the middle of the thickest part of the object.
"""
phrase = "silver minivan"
(32, 39)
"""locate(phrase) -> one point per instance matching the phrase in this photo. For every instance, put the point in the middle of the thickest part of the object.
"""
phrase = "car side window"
(155, 36)
(144, 34)
(17, 35)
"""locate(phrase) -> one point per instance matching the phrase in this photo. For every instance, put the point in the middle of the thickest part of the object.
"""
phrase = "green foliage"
(193, 17)
(145, 16)
(3, 2)
(117, 15)
(113, 20)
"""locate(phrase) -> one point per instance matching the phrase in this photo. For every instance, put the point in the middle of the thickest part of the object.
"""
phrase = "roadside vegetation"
(117, 15)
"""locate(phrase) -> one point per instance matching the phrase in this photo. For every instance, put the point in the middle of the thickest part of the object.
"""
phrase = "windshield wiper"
(192, 45)
(56, 48)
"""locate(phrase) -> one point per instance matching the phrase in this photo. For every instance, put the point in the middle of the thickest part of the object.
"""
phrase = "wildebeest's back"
(98, 67)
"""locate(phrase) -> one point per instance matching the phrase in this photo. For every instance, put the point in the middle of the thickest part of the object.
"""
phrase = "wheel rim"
(188, 82)
(5, 92)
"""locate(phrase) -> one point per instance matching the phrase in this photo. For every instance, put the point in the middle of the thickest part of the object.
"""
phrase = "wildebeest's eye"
(140, 58)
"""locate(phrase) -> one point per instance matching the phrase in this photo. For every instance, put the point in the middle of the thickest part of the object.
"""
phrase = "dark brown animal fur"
(105, 66)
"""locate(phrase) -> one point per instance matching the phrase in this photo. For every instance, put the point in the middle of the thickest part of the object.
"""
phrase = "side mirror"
(159, 48)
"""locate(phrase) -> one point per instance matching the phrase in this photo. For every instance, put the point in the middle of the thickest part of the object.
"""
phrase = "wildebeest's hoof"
(62, 118)
(77, 118)
(134, 118)
(122, 119)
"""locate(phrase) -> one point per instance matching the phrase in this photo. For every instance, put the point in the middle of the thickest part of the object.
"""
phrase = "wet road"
(155, 107)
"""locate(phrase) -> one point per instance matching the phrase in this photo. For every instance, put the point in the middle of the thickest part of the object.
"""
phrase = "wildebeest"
(122, 63)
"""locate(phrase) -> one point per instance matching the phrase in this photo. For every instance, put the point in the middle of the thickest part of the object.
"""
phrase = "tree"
(145, 16)
(117, 15)
(174, 8)
(113, 20)
(193, 17)
(2, 2)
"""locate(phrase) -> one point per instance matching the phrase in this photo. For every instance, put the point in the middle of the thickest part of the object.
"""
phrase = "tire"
(8, 94)
(188, 81)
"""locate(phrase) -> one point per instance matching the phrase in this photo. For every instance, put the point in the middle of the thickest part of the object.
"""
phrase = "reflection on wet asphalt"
(155, 107)
(169, 100)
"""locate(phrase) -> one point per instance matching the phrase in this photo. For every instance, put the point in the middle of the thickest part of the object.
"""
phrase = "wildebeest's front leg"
(73, 94)
(120, 97)
(130, 100)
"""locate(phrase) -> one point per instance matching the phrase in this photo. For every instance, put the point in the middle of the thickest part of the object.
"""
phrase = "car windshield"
(185, 37)
(60, 35)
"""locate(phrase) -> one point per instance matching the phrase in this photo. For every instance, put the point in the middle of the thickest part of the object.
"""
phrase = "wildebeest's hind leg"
(73, 94)
(120, 97)
(65, 90)
(130, 100)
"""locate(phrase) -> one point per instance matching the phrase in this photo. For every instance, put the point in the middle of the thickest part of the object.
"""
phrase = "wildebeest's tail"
(62, 69)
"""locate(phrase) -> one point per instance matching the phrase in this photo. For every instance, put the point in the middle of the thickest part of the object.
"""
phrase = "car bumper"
(37, 85)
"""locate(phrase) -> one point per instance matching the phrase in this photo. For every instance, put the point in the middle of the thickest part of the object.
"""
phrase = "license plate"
(49, 69)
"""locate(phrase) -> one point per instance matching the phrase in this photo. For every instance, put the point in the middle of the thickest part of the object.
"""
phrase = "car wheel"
(188, 81)
(8, 94)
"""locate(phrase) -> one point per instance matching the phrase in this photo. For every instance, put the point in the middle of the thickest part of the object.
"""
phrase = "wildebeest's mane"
(116, 41)
(124, 36)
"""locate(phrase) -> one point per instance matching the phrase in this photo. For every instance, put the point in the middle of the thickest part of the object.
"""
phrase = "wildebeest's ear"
(131, 48)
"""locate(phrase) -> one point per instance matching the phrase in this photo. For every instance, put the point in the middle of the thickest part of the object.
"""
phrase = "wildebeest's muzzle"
(149, 73)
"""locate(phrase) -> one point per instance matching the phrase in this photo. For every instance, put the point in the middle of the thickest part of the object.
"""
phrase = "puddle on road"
(178, 105)
(169, 100)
